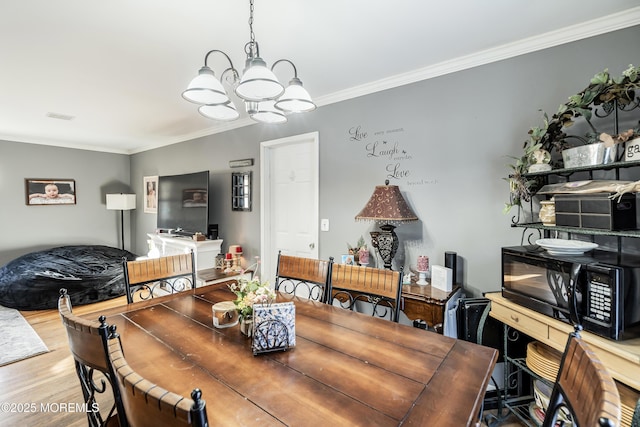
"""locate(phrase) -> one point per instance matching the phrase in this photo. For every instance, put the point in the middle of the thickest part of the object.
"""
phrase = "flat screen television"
(183, 203)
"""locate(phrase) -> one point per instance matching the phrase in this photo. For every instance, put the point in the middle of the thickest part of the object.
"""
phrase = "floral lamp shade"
(387, 205)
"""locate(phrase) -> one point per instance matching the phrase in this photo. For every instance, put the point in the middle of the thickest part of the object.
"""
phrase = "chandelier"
(265, 99)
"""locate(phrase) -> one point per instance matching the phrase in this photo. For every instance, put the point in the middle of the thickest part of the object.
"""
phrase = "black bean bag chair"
(89, 273)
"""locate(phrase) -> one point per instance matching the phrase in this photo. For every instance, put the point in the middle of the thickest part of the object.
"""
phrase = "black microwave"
(599, 290)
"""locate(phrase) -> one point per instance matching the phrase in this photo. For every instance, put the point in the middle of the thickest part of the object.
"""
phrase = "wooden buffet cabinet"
(621, 358)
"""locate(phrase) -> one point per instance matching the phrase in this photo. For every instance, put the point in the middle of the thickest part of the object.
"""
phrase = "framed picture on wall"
(150, 194)
(50, 191)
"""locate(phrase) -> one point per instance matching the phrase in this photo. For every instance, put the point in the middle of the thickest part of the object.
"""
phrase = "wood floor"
(39, 388)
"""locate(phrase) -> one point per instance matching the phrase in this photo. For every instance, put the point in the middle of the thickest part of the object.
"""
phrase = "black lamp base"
(122, 228)
(386, 242)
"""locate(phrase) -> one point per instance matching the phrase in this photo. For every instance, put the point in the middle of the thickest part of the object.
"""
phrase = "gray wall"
(30, 228)
(457, 133)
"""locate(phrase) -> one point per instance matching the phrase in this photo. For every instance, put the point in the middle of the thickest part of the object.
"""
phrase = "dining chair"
(88, 342)
(146, 278)
(468, 309)
(147, 404)
(381, 288)
(584, 388)
(303, 277)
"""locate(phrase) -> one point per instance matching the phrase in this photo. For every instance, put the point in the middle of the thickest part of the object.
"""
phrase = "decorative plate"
(565, 247)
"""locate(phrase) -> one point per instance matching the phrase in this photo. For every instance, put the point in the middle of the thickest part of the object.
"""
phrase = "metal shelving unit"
(514, 367)
(518, 403)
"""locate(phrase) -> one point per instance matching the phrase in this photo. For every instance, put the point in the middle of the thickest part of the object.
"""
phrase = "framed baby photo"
(348, 259)
(41, 192)
(150, 194)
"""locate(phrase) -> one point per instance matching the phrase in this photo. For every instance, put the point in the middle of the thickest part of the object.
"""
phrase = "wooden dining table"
(346, 368)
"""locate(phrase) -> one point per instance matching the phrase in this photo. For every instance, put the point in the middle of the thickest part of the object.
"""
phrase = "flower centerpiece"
(249, 292)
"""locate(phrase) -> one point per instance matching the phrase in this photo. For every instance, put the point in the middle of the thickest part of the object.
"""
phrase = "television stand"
(204, 251)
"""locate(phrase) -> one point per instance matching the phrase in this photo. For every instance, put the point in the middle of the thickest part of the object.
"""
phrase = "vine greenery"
(603, 90)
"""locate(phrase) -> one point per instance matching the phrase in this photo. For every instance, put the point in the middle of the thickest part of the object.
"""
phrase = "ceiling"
(118, 67)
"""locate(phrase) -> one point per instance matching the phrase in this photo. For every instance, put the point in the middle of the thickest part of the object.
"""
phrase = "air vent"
(60, 116)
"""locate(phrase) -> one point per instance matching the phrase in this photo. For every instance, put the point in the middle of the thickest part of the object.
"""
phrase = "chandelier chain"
(252, 36)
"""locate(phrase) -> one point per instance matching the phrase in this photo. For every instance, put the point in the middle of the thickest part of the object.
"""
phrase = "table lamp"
(121, 202)
(386, 206)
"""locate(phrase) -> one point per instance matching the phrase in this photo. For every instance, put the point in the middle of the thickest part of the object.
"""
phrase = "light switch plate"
(324, 224)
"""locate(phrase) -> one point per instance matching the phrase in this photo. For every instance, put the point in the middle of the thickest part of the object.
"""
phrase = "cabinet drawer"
(527, 325)
(431, 313)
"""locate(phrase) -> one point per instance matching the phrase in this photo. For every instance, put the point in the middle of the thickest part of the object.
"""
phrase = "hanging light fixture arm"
(252, 49)
(232, 69)
(295, 99)
(295, 70)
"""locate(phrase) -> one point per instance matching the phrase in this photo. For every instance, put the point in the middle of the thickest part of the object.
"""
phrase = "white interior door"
(289, 191)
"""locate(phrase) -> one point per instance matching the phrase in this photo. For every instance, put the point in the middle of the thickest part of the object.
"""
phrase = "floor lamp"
(121, 202)
(386, 206)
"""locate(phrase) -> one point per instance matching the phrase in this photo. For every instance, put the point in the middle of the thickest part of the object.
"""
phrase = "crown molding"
(606, 24)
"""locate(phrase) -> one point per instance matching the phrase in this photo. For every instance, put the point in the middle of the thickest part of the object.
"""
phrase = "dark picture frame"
(48, 191)
(241, 191)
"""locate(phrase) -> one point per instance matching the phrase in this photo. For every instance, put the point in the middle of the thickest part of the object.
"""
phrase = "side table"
(426, 303)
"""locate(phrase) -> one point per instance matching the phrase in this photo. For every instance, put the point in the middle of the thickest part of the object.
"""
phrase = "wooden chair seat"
(150, 277)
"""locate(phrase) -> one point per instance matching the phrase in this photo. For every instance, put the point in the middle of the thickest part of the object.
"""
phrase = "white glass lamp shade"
(258, 82)
(223, 112)
(206, 89)
(121, 202)
(295, 98)
(267, 113)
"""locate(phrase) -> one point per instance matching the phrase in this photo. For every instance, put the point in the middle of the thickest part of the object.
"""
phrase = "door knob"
(312, 245)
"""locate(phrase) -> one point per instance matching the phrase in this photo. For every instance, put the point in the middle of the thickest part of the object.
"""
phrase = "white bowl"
(565, 247)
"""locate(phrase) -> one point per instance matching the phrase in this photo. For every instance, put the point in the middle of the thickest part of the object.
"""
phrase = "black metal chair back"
(351, 284)
(150, 277)
(88, 345)
(303, 277)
